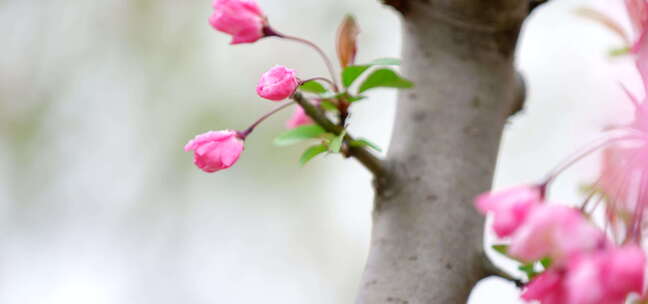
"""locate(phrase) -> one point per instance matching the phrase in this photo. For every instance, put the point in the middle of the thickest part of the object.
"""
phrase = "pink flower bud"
(277, 84)
(243, 19)
(216, 150)
(299, 118)
(509, 207)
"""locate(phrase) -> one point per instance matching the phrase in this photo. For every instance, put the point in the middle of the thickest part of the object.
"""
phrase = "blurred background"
(100, 204)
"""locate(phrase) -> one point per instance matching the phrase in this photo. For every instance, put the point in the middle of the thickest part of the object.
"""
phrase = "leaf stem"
(595, 146)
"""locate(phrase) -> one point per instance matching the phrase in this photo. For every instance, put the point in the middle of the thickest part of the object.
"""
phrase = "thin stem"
(632, 98)
(366, 158)
(249, 130)
(327, 61)
(491, 270)
(597, 145)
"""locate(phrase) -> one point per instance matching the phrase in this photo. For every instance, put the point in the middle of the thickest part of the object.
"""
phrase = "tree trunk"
(426, 242)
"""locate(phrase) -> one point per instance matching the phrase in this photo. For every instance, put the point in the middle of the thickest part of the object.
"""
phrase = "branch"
(427, 239)
(399, 5)
(491, 270)
(533, 4)
(520, 95)
(366, 158)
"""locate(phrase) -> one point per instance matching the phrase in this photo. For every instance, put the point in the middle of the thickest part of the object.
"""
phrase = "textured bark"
(426, 242)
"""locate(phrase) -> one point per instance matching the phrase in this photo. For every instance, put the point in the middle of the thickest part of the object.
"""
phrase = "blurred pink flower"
(554, 231)
(606, 276)
(509, 207)
(622, 271)
(215, 150)
(278, 83)
(298, 118)
(243, 19)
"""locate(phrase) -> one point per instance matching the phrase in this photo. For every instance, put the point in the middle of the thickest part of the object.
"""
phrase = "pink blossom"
(278, 83)
(299, 118)
(547, 288)
(243, 19)
(554, 231)
(622, 271)
(509, 207)
(605, 276)
(216, 150)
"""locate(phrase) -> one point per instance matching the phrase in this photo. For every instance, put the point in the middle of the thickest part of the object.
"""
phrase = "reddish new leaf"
(347, 41)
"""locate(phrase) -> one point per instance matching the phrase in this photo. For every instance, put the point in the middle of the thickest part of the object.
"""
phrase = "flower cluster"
(246, 23)
(580, 264)
(568, 258)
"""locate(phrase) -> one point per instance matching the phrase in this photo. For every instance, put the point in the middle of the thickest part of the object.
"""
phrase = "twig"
(533, 4)
(366, 158)
(520, 95)
(491, 270)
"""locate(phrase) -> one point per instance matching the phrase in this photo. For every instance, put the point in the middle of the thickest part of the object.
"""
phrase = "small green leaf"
(355, 98)
(384, 78)
(298, 134)
(336, 143)
(501, 248)
(619, 51)
(529, 270)
(313, 87)
(351, 73)
(386, 61)
(361, 142)
(546, 262)
(312, 152)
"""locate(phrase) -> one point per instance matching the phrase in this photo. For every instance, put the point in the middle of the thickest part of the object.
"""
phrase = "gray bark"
(426, 244)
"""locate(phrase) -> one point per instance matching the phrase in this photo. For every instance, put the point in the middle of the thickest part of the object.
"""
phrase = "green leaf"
(384, 78)
(313, 87)
(529, 270)
(336, 143)
(546, 262)
(298, 134)
(386, 61)
(351, 73)
(361, 142)
(619, 51)
(355, 98)
(312, 152)
(501, 248)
